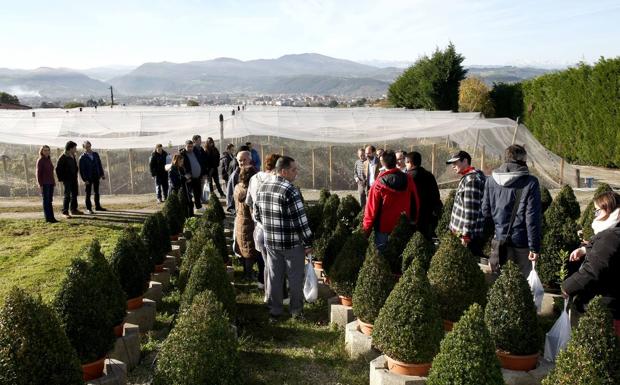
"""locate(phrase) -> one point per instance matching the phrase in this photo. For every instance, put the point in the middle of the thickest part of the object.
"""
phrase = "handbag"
(499, 246)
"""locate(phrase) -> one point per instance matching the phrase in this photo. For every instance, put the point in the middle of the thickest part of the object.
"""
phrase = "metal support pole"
(26, 175)
(482, 159)
(433, 158)
(109, 177)
(5, 168)
(313, 169)
(330, 168)
(222, 133)
(131, 171)
(514, 134)
(577, 178)
(561, 172)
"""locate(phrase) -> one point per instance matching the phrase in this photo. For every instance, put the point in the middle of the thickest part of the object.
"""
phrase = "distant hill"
(505, 74)
(50, 82)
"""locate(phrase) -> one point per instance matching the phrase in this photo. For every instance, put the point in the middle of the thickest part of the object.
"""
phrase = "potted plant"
(330, 214)
(130, 270)
(409, 329)
(142, 255)
(348, 210)
(420, 248)
(150, 234)
(215, 205)
(314, 213)
(545, 198)
(215, 232)
(192, 253)
(174, 214)
(456, 279)
(396, 243)
(34, 349)
(510, 315)
(164, 233)
(374, 284)
(587, 217)
(443, 225)
(82, 309)
(347, 266)
(201, 348)
(592, 355)
(467, 354)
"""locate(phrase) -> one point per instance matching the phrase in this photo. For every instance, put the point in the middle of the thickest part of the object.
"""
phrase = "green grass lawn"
(34, 254)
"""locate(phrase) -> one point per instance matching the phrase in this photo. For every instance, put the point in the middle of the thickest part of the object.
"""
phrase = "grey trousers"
(279, 264)
(519, 255)
(361, 191)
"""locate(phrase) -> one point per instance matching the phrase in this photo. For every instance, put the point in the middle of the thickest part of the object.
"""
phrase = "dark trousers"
(94, 187)
(476, 247)
(161, 189)
(195, 185)
(214, 176)
(70, 198)
(518, 255)
(248, 268)
(47, 193)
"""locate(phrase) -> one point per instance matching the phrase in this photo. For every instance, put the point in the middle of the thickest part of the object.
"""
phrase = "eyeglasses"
(597, 212)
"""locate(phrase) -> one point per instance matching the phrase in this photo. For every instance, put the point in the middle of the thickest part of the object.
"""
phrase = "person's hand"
(577, 254)
(564, 294)
(464, 241)
(533, 256)
(308, 250)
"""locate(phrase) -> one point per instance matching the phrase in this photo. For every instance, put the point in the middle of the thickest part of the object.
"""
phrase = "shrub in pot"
(201, 348)
(323, 195)
(444, 221)
(128, 267)
(456, 279)
(567, 203)
(215, 205)
(335, 243)
(150, 235)
(396, 243)
(83, 313)
(142, 255)
(510, 315)
(174, 214)
(592, 355)
(587, 216)
(34, 349)
(545, 198)
(420, 248)
(314, 213)
(347, 265)
(409, 328)
(215, 232)
(191, 255)
(348, 211)
(330, 214)
(164, 232)
(467, 354)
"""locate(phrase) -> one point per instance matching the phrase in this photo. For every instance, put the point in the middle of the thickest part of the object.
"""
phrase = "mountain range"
(290, 74)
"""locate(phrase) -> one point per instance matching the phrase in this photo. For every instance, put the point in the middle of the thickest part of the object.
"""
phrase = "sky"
(84, 34)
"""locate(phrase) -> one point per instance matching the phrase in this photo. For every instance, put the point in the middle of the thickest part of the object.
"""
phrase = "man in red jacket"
(392, 194)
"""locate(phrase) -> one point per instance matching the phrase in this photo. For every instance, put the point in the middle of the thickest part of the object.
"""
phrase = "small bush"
(323, 195)
(396, 243)
(420, 248)
(315, 218)
(467, 354)
(215, 204)
(409, 326)
(330, 214)
(128, 267)
(347, 266)
(150, 235)
(142, 255)
(215, 232)
(374, 284)
(348, 211)
(194, 249)
(335, 242)
(174, 213)
(34, 349)
(84, 316)
(567, 203)
(587, 217)
(164, 233)
(592, 356)
(108, 284)
(443, 225)
(545, 198)
(201, 348)
(510, 313)
(456, 278)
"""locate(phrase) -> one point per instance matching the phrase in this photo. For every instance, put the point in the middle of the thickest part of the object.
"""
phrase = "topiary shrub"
(443, 225)
(330, 214)
(323, 195)
(335, 243)
(186, 206)
(82, 310)
(194, 249)
(467, 354)
(164, 233)
(174, 213)
(456, 278)
(150, 235)
(127, 267)
(545, 198)
(201, 348)
(420, 248)
(592, 356)
(142, 254)
(409, 326)
(215, 232)
(209, 273)
(374, 284)
(348, 211)
(108, 284)
(510, 313)
(34, 349)
(567, 203)
(218, 211)
(587, 217)
(314, 213)
(396, 243)
(344, 272)
(359, 220)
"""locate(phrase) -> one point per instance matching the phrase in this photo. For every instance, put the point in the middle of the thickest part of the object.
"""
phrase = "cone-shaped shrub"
(335, 243)
(420, 248)
(567, 203)
(108, 283)
(185, 205)
(215, 232)
(446, 213)
(347, 266)
(374, 284)
(34, 349)
(467, 354)
(330, 214)
(592, 356)
(314, 213)
(396, 243)
(359, 220)
(150, 235)
(82, 310)
(409, 326)
(174, 213)
(209, 273)
(128, 267)
(348, 211)
(588, 214)
(164, 233)
(201, 348)
(215, 204)
(510, 313)
(545, 198)
(142, 254)
(194, 249)
(323, 195)
(456, 278)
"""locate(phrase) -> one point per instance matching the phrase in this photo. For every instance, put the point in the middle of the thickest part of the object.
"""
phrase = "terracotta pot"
(448, 325)
(420, 370)
(159, 268)
(364, 327)
(93, 370)
(521, 363)
(118, 330)
(317, 265)
(134, 303)
(346, 301)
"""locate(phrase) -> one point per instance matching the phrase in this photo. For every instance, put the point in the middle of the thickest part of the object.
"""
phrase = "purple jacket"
(45, 171)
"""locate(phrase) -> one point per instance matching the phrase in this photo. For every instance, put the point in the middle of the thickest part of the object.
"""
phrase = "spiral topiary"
(374, 284)
(344, 272)
(420, 248)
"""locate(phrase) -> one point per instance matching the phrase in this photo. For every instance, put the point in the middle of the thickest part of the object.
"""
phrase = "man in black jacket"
(430, 201)
(193, 171)
(225, 160)
(157, 165)
(67, 173)
(91, 171)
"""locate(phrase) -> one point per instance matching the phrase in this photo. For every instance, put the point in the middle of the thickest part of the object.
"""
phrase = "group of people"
(89, 168)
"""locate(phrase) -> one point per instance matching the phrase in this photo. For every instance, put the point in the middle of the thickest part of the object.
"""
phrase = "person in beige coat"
(244, 228)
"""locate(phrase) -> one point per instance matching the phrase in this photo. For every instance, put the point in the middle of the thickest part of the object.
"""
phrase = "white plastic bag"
(205, 193)
(311, 285)
(536, 286)
(558, 336)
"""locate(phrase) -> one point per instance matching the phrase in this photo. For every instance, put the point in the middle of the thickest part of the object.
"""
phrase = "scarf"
(611, 221)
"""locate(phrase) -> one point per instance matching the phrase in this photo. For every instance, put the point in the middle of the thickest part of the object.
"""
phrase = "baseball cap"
(459, 156)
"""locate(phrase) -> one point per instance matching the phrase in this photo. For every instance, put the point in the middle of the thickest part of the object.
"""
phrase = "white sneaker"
(89, 212)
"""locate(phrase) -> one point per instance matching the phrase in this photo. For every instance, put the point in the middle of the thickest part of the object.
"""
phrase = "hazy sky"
(83, 34)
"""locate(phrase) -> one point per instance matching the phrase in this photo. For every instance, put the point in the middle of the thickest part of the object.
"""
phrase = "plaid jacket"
(467, 218)
(280, 210)
(358, 171)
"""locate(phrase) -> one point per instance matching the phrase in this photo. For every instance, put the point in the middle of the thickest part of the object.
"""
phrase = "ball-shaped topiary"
(592, 356)
(396, 243)
(467, 354)
(545, 198)
(330, 214)
(150, 234)
(348, 211)
(201, 348)
(82, 309)
(409, 326)
(108, 284)
(374, 284)
(127, 266)
(209, 273)
(174, 213)
(34, 349)
(344, 272)
(420, 248)
(587, 217)
(446, 214)
(215, 205)
(510, 313)
(456, 278)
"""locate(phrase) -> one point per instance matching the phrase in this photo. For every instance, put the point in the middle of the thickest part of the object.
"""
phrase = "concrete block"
(144, 317)
(162, 277)
(489, 277)
(176, 252)
(380, 375)
(325, 291)
(127, 348)
(231, 273)
(339, 314)
(155, 291)
(357, 343)
(115, 373)
(181, 242)
(515, 377)
(170, 263)
(542, 371)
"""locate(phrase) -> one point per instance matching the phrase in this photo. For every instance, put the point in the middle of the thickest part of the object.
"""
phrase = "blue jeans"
(161, 190)
(381, 240)
(47, 193)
